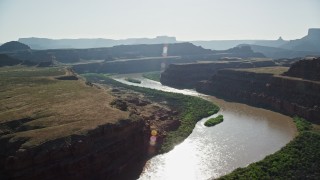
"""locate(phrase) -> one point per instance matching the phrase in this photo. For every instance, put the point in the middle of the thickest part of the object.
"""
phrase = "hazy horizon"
(186, 20)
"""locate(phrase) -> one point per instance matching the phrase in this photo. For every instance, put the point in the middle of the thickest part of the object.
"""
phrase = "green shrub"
(302, 124)
(299, 159)
(214, 121)
(191, 109)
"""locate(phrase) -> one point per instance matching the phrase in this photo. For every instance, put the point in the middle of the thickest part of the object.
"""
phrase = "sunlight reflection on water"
(246, 135)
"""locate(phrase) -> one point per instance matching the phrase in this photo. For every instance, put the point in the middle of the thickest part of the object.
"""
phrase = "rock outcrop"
(108, 151)
(13, 46)
(188, 75)
(101, 154)
(305, 69)
(310, 42)
(101, 142)
(291, 96)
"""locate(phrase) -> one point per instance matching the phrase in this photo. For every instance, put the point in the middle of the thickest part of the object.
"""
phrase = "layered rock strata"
(102, 154)
(306, 69)
(291, 96)
(105, 151)
(188, 75)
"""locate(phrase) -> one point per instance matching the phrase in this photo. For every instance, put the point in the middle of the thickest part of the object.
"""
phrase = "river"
(247, 135)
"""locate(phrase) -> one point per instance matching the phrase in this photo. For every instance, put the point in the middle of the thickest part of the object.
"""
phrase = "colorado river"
(246, 135)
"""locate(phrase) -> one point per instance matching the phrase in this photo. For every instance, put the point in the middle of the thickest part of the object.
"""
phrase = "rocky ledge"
(306, 69)
(188, 75)
(105, 152)
(101, 154)
(110, 132)
(266, 87)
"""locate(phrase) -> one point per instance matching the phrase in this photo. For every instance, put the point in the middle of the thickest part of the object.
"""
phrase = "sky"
(184, 19)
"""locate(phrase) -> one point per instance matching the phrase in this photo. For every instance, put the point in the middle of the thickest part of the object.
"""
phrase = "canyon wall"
(188, 75)
(160, 63)
(291, 96)
(104, 153)
(109, 53)
(130, 66)
(306, 69)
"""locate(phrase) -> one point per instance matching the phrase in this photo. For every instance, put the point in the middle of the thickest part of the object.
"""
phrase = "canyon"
(93, 127)
(189, 74)
(97, 133)
(77, 129)
(292, 91)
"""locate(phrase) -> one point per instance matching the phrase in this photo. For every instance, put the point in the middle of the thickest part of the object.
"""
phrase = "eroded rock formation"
(291, 96)
(91, 151)
(101, 154)
(106, 152)
(306, 69)
(188, 75)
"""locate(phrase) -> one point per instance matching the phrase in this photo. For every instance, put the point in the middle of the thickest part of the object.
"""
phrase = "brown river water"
(247, 135)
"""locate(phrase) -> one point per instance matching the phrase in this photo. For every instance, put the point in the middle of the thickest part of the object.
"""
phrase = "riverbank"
(133, 80)
(297, 160)
(54, 124)
(289, 162)
(190, 109)
(267, 88)
(155, 76)
(260, 83)
(249, 133)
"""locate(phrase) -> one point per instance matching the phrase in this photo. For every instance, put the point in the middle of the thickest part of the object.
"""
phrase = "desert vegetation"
(214, 121)
(191, 109)
(36, 107)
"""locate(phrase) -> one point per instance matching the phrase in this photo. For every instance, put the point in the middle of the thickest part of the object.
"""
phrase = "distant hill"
(299, 47)
(227, 44)
(110, 53)
(44, 43)
(5, 60)
(187, 51)
(311, 42)
(13, 46)
(276, 53)
(306, 46)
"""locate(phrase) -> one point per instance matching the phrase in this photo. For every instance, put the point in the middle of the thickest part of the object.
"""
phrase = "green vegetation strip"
(192, 109)
(300, 159)
(214, 121)
(155, 76)
(302, 124)
(133, 80)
